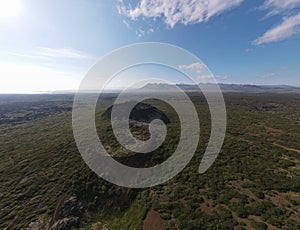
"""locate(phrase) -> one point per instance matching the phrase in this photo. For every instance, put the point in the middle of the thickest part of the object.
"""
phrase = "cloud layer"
(44, 52)
(193, 66)
(290, 26)
(62, 53)
(290, 22)
(178, 11)
(280, 6)
(188, 12)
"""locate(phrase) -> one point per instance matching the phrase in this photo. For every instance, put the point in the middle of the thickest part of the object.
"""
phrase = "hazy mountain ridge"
(223, 87)
(189, 87)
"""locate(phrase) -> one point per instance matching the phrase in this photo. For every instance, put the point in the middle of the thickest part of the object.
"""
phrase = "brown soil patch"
(253, 130)
(253, 134)
(287, 148)
(271, 227)
(153, 221)
(238, 186)
(256, 218)
(279, 200)
(182, 201)
(206, 206)
(294, 196)
(295, 217)
(243, 139)
(274, 131)
(163, 198)
(286, 172)
(246, 221)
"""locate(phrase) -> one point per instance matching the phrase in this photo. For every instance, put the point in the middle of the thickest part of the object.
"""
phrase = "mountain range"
(223, 87)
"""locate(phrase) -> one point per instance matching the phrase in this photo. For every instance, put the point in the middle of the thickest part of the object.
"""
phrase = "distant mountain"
(223, 87)
(254, 88)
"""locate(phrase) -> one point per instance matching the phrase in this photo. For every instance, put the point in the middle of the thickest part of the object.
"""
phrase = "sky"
(50, 45)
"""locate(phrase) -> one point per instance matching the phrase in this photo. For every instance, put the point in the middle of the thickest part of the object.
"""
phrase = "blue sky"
(50, 45)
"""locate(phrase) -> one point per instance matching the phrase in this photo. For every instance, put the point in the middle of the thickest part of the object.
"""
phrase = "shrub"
(258, 225)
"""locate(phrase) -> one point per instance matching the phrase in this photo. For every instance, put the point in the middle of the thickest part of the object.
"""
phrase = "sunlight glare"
(9, 9)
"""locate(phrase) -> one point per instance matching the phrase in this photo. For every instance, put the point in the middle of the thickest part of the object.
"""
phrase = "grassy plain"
(254, 183)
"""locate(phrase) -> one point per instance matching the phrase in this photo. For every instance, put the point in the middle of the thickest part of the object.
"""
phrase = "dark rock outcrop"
(142, 112)
(68, 214)
(67, 223)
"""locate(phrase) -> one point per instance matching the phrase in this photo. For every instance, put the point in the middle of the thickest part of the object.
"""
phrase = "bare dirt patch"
(207, 205)
(153, 221)
(238, 186)
(243, 220)
(273, 130)
(163, 198)
(247, 221)
(279, 200)
(282, 200)
(295, 217)
(287, 148)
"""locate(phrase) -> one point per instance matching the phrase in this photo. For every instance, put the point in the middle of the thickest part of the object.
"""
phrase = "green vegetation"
(254, 183)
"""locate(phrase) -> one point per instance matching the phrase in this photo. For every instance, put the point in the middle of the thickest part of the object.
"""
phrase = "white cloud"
(197, 69)
(62, 53)
(188, 12)
(178, 11)
(290, 22)
(151, 30)
(140, 33)
(127, 24)
(289, 27)
(193, 66)
(211, 76)
(268, 75)
(222, 77)
(205, 77)
(45, 52)
(280, 6)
